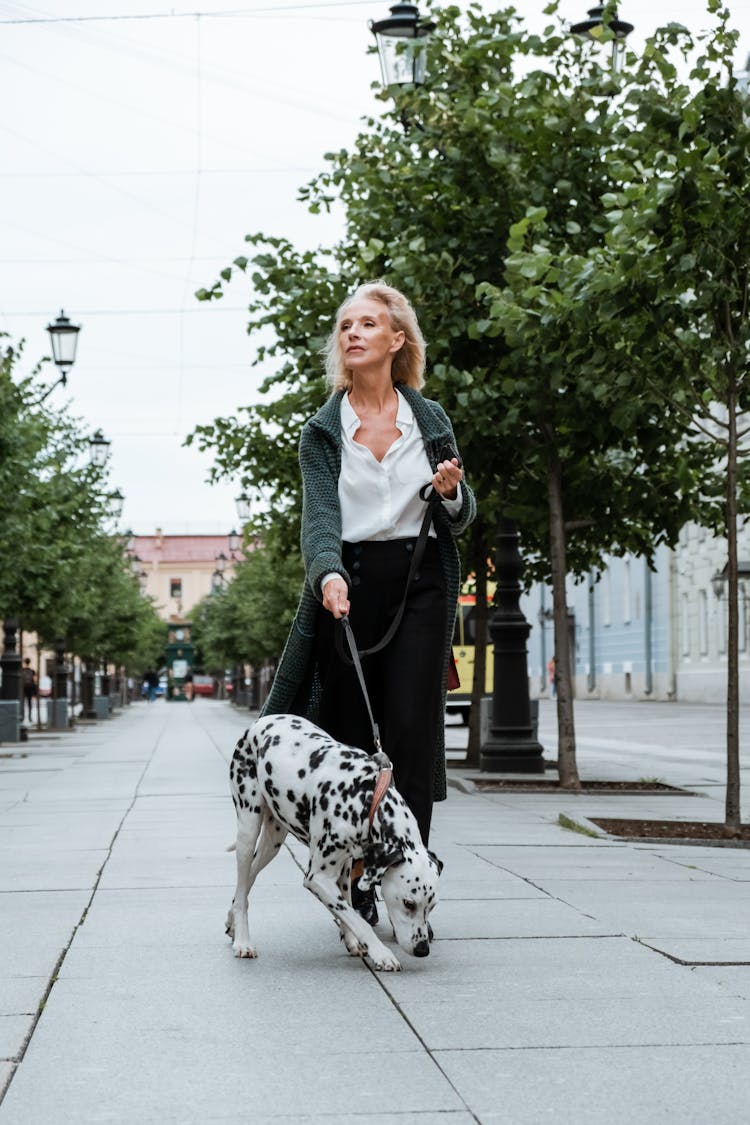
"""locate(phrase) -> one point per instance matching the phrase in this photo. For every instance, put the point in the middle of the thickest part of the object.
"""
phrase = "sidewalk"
(572, 980)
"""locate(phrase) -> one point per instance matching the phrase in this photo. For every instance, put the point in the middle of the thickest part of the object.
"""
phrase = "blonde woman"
(364, 457)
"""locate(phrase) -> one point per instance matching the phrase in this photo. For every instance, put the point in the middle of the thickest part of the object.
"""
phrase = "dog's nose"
(422, 949)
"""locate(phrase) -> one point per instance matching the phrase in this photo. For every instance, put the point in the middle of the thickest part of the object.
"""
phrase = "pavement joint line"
(19, 1057)
(537, 887)
(594, 1046)
(544, 937)
(688, 964)
(427, 1050)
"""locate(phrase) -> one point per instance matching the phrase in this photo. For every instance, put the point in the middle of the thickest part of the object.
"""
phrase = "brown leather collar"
(381, 786)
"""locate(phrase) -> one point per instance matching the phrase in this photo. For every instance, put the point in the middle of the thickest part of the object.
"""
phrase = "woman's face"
(366, 336)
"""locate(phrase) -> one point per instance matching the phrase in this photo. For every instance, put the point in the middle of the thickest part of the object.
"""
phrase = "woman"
(364, 457)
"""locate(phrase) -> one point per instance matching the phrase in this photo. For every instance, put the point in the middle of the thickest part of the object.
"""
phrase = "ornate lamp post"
(512, 745)
(11, 716)
(595, 26)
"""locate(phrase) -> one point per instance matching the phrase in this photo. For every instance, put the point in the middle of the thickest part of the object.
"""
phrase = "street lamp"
(221, 563)
(98, 448)
(595, 26)
(116, 501)
(244, 507)
(64, 337)
(234, 542)
(401, 40)
(217, 581)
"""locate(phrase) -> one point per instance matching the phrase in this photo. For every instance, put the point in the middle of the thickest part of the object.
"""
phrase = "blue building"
(643, 634)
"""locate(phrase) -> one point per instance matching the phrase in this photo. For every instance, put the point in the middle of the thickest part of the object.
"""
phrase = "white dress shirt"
(380, 499)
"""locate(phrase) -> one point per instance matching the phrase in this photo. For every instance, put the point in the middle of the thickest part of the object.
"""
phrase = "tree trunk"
(566, 737)
(732, 809)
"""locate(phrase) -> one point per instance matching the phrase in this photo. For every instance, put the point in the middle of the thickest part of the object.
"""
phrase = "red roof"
(182, 548)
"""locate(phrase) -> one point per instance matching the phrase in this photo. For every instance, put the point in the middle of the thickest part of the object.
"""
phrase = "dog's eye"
(410, 905)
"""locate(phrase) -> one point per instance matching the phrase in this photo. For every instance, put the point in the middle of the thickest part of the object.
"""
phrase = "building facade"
(179, 570)
(638, 633)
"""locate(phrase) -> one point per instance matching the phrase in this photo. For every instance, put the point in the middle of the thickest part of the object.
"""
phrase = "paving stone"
(648, 1084)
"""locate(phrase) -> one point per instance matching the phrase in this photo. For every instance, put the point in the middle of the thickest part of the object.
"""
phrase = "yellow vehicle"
(458, 701)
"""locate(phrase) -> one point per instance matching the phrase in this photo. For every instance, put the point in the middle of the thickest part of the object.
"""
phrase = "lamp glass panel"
(64, 339)
(402, 58)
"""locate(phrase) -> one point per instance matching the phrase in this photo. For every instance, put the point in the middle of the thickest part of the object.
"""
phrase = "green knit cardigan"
(296, 686)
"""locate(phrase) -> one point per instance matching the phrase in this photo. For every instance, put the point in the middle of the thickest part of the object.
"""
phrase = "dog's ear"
(438, 862)
(377, 860)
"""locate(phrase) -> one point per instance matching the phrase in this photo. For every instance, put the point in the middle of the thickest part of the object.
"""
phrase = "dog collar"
(381, 786)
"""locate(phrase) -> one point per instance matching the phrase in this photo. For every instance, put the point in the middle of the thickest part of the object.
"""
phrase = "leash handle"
(356, 662)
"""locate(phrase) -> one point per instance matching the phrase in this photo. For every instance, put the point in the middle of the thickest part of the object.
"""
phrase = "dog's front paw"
(383, 960)
(244, 949)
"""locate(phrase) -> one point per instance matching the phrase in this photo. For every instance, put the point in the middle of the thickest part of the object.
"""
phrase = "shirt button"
(356, 580)
(356, 565)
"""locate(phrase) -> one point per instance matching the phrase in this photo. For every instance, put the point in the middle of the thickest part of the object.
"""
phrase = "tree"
(485, 210)
(248, 620)
(62, 574)
(673, 278)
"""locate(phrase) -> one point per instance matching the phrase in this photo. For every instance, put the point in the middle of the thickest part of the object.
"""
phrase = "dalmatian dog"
(287, 775)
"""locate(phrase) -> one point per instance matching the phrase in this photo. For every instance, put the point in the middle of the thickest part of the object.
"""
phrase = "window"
(702, 623)
(175, 588)
(627, 593)
(685, 625)
(606, 598)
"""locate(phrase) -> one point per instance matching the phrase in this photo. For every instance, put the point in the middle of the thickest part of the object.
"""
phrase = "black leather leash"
(358, 667)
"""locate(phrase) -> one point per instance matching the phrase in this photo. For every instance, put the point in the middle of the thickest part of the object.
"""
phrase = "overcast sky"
(137, 150)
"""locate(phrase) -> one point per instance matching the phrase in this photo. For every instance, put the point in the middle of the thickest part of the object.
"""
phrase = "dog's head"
(408, 884)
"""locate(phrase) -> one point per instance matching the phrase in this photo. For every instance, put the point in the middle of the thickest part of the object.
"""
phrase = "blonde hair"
(408, 361)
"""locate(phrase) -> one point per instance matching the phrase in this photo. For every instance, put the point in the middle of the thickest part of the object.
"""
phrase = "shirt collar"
(350, 420)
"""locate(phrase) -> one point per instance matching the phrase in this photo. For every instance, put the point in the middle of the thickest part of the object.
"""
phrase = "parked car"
(203, 685)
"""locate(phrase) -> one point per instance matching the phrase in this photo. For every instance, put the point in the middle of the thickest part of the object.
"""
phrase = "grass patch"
(573, 826)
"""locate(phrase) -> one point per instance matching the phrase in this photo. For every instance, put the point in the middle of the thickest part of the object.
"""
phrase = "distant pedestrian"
(150, 684)
(551, 675)
(187, 686)
(30, 685)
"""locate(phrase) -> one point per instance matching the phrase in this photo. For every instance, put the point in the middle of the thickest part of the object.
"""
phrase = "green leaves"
(61, 570)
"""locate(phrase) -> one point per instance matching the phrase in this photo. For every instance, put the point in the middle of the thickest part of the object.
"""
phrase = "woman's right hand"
(336, 597)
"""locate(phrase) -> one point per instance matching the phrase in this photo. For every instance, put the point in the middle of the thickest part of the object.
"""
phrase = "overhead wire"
(237, 13)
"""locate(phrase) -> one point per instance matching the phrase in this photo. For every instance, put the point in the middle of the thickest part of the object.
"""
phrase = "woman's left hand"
(447, 478)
